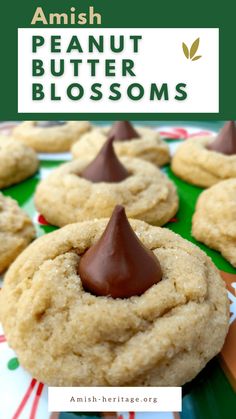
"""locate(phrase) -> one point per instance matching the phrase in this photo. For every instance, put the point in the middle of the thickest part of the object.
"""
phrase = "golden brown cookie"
(50, 136)
(195, 164)
(17, 162)
(214, 220)
(16, 231)
(65, 336)
(148, 146)
(65, 197)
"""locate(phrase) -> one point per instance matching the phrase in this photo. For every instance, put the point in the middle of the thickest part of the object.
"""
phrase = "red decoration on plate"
(200, 134)
(25, 399)
(36, 401)
(177, 133)
(2, 339)
(42, 220)
(173, 220)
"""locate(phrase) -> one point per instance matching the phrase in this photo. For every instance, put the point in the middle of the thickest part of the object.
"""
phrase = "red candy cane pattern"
(26, 397)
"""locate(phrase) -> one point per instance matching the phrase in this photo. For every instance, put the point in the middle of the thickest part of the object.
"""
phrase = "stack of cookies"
(111, 298)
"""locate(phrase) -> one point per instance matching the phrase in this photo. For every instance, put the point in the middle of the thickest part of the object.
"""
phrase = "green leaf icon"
(196, 58)
(185, 49)
(194, 48)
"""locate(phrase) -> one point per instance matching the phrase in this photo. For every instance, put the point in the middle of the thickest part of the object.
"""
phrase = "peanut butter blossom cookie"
(50, 136)
(82, 190)
(206, 161)
(214, 221)
(16, 231)
(17, 162)
(108, 303)
(143, 143)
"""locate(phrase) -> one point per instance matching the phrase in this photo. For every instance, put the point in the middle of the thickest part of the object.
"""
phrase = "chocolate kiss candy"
(48, 124)
(106, 166)
(123, 130)
(119, 265)
(225, 142)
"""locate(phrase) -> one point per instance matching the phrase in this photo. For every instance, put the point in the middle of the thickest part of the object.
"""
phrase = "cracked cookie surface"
(16, 231)
(214, 220)
(17, 162)
(64, 336)
(149, 146)
(65, 197)
(50, 139)
(195, 164)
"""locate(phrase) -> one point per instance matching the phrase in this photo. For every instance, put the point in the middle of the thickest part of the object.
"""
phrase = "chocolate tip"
(123, 131)
(118, 265)
(225, 142)
(119, 209)
(106, 167)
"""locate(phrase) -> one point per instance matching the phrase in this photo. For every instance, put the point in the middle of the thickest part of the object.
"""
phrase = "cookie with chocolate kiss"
(138, 142)
(89, 188)
(123, 131)
(225, 142)
(106, 166)
(206, 160)
(50, 136)
(119, 265)
(163, 337)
